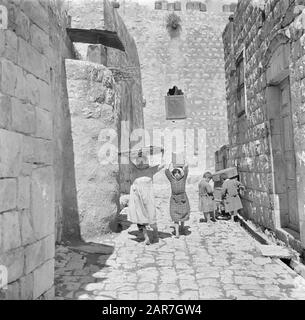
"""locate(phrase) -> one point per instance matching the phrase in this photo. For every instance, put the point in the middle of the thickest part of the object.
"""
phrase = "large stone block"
(34, 256)
(28, 155)
(26, 287)
(43, 203)
(97, 54)
(49, 295)
(24, 184)
(21, 88)
(5, 111)
(44, 124)
(10, 153)
(43, 151)
(26, 169)
(8, 77)
(8, 196)
(33, 88)
(39, 252)
(38, 151)
(12, 292)
(36, 12)
(39, 39)
(23, 26)
(43, 278)
(14, 262)
(8, 45)
(11, 227)
(27, 229)
(32, 61)
(45, 98)
(23, 117)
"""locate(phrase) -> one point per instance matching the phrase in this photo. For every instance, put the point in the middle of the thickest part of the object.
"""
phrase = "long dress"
(230, 194)
(141, 209)
(179, 202)
(206, 202)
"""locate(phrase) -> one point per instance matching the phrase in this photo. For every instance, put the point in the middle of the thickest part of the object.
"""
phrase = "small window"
(241, 95)
(175, 104)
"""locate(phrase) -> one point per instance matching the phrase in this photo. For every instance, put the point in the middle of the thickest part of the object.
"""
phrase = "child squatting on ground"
(206, 198)
(231, 189)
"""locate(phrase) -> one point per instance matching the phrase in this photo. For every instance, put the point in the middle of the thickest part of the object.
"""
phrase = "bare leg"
(213, 214)
(207, 217)
(155, 233)
(201, 219)
(182, 227)
(146, 237)
(177, 229)
(231, 215)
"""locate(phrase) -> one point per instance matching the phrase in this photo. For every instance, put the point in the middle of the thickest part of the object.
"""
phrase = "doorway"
(289, 214)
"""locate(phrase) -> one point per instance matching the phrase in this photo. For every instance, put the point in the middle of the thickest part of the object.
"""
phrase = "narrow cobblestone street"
(213, 261)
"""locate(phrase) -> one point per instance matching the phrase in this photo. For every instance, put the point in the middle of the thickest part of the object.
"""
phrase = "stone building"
(264, 61)
(104, 94)
(192, 60)
(48, 102)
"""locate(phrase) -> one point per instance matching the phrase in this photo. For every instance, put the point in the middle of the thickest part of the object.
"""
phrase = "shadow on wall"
(70, 219)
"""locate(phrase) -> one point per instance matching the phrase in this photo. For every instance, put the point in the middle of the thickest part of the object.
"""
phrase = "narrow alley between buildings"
(212, 261)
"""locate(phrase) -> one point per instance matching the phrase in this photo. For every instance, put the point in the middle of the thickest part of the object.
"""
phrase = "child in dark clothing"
(206, 198)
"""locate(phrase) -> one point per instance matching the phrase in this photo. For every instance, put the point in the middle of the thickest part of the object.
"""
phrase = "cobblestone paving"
(212, 261)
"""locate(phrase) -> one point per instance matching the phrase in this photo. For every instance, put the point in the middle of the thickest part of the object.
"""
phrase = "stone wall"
(66, 208)
(126, 68)
(193, 61)
(95, 106)
(221, 158)
(124, 65)
(273, 37)
(31, 58)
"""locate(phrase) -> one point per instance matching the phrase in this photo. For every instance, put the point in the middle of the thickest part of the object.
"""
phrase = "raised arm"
(168, 171)
(186, 170)
(162, 164)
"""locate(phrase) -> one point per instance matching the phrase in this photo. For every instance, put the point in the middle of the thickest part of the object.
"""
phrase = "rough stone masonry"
(39, 188)
(192, 61)
(105, 93)
(264, 61)
(32, 49)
